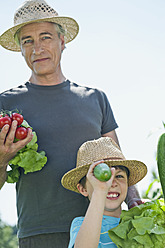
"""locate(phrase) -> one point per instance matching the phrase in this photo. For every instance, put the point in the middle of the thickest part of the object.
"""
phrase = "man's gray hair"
(59, 28)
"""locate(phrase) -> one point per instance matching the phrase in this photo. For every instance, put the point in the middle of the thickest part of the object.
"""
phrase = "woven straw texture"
(95, 150)
(37, 11)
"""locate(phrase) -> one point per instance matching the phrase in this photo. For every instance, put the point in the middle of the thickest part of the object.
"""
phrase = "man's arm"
(8, 148)
(112, 135)
(3, 176)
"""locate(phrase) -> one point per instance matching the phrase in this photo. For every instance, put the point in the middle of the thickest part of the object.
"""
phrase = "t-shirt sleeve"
(75, 227)
(1, 106)
(108, 120)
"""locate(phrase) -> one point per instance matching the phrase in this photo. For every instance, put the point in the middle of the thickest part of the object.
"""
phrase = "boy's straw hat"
(37, 11)
(95, 150)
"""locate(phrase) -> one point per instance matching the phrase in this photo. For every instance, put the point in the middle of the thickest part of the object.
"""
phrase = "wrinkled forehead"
(38, 26)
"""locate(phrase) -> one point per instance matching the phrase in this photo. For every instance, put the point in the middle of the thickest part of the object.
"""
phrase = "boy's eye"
(119, 176)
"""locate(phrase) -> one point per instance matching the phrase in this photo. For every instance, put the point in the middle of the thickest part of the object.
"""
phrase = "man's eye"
(45, 37)
(27, 42)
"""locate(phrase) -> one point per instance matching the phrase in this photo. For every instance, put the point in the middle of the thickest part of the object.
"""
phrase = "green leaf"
(32, 161)
(163, 124)
(13, 175)
(125, 215)
(32, 144)
(122, 230)
(28, 158)
(157, 230)
(25, 124)
(115, 238)
(145, 240)
(15, 160)
(133, 233)
(146, 226)
(142, 225)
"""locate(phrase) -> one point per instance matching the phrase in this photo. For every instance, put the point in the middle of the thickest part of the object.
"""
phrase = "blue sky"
(120, 49)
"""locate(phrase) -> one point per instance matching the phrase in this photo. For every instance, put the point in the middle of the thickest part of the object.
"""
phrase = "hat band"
(113, 158)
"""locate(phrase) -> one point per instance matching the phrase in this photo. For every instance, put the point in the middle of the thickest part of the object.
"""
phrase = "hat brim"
(69, 24)
(137, 170)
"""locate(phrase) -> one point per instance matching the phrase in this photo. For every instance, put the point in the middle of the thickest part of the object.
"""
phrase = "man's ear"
(82, 190)
(62, 42)
(22, 51)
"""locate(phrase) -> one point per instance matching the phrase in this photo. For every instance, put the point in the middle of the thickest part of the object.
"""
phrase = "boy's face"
(116, 194)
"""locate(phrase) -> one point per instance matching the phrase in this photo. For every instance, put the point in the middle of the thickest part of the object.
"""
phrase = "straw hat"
(95, 150)
(37, 11)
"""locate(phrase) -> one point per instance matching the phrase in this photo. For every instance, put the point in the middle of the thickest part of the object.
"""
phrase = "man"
(63, 114)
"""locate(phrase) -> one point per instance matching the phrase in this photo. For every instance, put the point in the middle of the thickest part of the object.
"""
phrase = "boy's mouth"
(111, 195)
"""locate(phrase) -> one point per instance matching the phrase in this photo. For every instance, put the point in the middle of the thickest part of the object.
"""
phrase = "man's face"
(41, 47)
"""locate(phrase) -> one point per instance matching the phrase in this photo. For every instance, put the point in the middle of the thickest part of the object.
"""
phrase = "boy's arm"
(89, 233)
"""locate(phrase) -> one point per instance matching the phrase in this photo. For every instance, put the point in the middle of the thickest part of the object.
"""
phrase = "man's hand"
(133, 198)
(135, 202)
(8, 148)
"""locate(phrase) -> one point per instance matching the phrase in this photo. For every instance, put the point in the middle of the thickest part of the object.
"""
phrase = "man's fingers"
(3, 134)
(21, 143)
(11, 134)
(7, 136)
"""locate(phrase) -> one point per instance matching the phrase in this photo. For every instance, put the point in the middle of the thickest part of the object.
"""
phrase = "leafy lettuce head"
(141, 227)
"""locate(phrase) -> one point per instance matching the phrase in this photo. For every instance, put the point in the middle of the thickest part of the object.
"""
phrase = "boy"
(105, 198)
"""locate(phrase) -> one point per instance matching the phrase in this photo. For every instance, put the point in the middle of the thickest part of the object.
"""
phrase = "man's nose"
(37, 48)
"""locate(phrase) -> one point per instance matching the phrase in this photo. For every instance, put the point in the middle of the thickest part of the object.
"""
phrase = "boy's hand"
(96, 184)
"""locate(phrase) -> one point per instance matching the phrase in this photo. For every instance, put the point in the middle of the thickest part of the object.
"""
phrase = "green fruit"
(161, 161)
(102, 172)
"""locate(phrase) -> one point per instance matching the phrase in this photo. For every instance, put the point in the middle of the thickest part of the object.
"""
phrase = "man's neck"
(47, 79)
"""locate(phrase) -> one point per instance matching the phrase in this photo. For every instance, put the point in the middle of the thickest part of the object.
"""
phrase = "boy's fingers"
(113, 172)
(91, 168)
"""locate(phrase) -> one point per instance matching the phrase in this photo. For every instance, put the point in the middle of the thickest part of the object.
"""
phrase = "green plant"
(8, 237)
(154, 190)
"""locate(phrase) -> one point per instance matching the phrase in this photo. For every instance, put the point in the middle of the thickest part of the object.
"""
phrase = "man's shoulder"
(84, 88)
(12, 91)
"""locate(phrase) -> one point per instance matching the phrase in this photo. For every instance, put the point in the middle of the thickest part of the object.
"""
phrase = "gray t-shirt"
(63, 116)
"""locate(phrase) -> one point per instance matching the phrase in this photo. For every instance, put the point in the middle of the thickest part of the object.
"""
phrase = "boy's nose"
(114, 183)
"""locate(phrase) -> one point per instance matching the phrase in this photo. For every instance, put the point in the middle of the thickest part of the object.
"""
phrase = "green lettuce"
(141, 227)
(28, 158)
